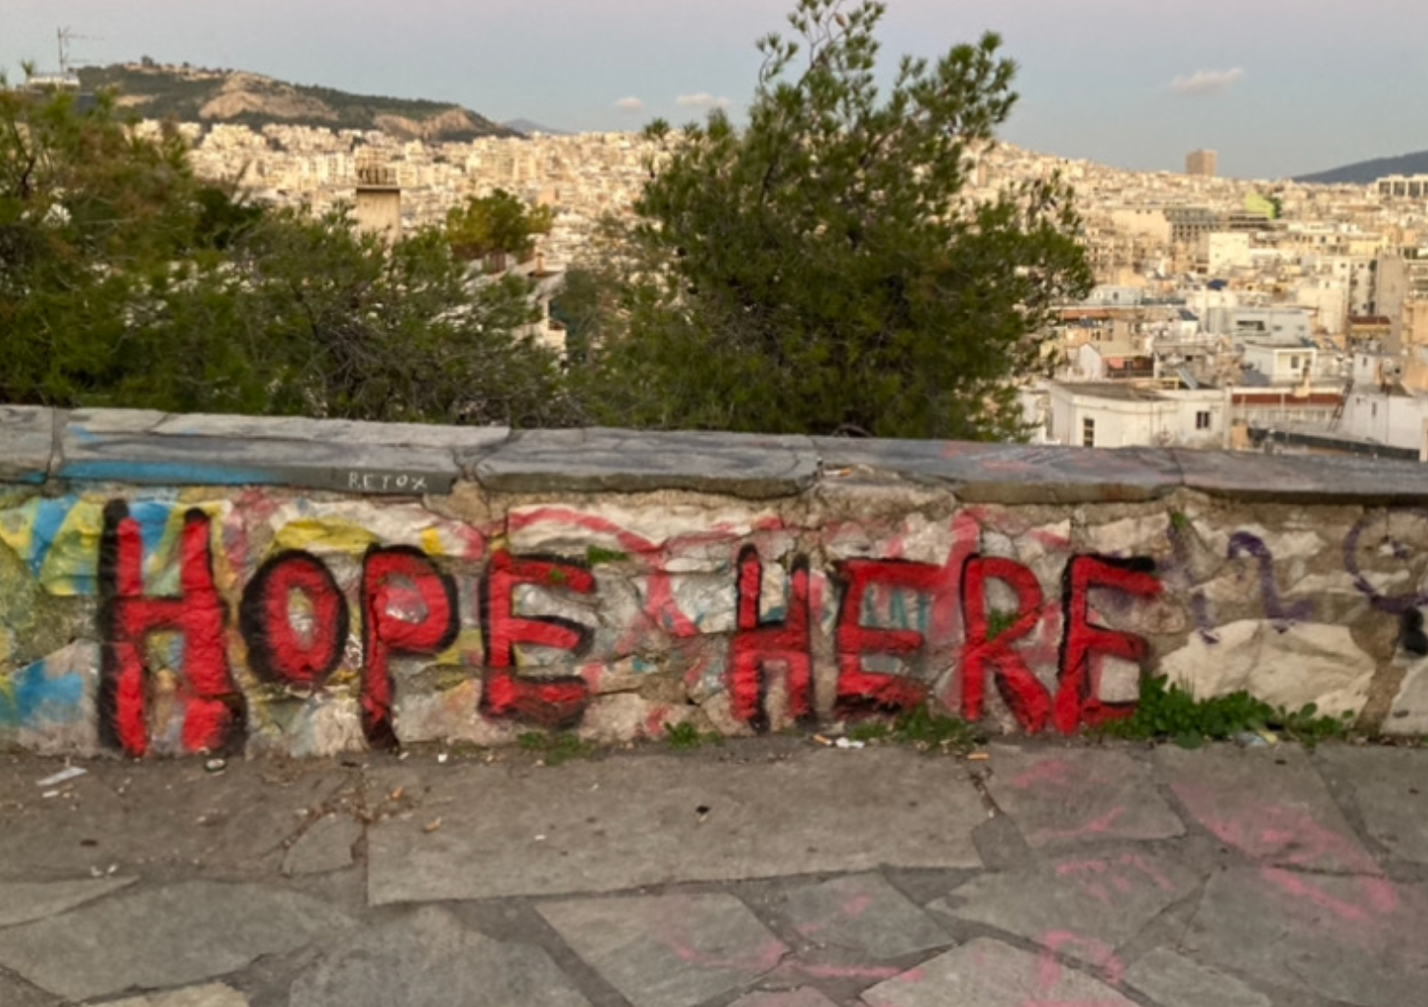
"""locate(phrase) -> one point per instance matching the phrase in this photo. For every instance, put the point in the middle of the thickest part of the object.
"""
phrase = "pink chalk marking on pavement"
(857, 906)
(1057, 772)
(1300, 888)
(1096, 827)
(1099, 954)
(1289, 835)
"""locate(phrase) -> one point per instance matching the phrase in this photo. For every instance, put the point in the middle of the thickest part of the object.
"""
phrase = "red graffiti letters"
(552, 701)
(757, 644)
(167, 683)
(213, 710)
(1027, 698)
(857, 687)
(277, 650)
(408, 607)
(1078, 699)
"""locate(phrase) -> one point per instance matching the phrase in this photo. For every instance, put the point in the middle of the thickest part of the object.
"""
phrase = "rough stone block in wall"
(187, 584)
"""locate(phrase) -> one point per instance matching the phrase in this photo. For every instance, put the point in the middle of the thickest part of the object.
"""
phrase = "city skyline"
(1276, 90)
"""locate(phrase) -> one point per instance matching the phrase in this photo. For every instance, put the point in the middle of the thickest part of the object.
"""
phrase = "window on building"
(1202, 420)
(1294, 363)
(1088, 432)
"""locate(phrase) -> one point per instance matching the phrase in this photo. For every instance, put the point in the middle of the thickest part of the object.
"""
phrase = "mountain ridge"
(1364, 172)
(194, 94)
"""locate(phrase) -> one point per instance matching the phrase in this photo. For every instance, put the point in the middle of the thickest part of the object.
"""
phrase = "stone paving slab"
(988, 973)
(325, 846)
(428, 959)
(1080, 906)
(1352, 939)
(23, 901)
(123, 817)
(1389, 786)
(658, 819)
(864, 914)
(1319, 479)
(1012, 473)
(97, 447)
(17, 993)
(1268, 803)
(803, 997)
(211, 995)
(26, 443)
(669, 950)
(1172, 980)
(744, 465)
(166, 936)
(1069, 796)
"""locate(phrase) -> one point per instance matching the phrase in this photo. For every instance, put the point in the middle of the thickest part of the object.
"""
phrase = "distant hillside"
(1365, 172)
(190, 94)
(526, 127)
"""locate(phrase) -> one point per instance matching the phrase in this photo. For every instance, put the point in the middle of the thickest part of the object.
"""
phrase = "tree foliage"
(496, 224)
(823, 269)
(126, 281)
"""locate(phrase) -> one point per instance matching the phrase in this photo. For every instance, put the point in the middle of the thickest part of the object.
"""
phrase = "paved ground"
(768, 874)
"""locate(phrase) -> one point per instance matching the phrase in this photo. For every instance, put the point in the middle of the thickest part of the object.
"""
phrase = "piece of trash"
(441, 757)
(432, 825)
(50, 793)
(977, 757)
(63, 776)
(540, 838)
(702, 812)
(216, 765)
(850, 743)
(396, 795)
(822, 740)
(1250, 739)
(403, 756)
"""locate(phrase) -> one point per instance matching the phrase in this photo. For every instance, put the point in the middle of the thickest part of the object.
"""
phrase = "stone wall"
(182, 584)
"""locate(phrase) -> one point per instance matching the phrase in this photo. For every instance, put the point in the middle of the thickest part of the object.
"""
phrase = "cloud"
(630, 104)
(702, 100)
(1206, 82)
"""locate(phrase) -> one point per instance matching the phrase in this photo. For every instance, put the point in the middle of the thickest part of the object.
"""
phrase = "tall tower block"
(1201, 162)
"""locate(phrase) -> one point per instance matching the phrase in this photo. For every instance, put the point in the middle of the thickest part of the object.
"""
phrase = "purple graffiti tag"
(1242, 543)
(1180, 568)
(1392, 604)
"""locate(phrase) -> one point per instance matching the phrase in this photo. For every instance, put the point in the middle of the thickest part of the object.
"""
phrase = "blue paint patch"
(49, 519)
(36, 697)
(153, 520)
(169, 473)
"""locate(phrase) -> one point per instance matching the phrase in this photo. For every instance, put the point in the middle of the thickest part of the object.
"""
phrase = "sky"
(1277, 87)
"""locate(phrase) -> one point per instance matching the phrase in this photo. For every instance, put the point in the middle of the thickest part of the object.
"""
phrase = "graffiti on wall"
(204, 612)
(892, 626)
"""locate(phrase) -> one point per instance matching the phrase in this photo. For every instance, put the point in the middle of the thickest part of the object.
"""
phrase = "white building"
(1281, 362)
(1121, 414)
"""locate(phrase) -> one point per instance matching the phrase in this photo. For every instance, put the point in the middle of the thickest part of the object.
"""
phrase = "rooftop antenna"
(64, 36)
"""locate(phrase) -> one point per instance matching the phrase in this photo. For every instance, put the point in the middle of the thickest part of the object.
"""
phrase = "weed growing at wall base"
(923, 729)
(686, 737)
(1170, 712)
(555, 748)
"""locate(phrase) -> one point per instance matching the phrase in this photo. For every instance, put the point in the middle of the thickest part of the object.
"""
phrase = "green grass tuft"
(555, 748)
(1170, 712)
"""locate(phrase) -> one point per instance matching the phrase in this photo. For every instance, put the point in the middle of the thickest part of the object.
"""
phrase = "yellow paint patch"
(69, 566)
(332, 535)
